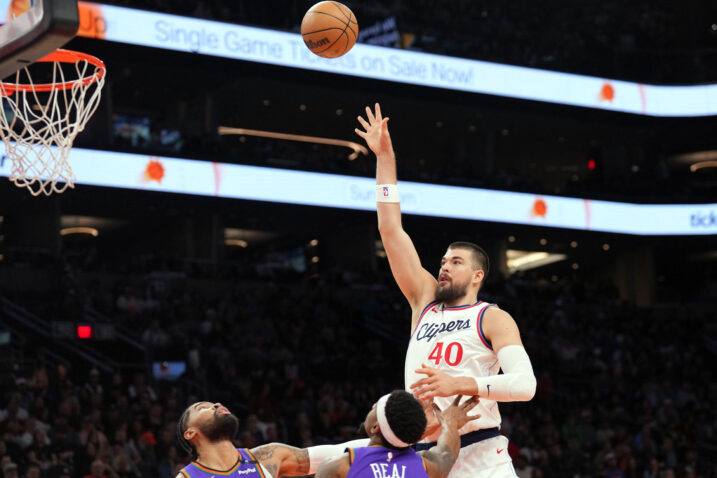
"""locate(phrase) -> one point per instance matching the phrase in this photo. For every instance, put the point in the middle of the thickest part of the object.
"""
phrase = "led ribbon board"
(287, 49)
(183, 176)
(172, 32)
(158, 30)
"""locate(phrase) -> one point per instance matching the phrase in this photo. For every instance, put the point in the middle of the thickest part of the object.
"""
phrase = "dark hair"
(480, 257)
(182, 426)
(405, 416)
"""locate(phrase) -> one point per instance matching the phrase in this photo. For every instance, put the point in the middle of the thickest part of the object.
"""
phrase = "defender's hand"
(457, 413)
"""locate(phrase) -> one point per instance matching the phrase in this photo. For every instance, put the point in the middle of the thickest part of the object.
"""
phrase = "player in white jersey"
(458, 344)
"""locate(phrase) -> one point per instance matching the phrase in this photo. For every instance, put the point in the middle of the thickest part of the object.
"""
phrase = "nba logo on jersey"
(385, 191)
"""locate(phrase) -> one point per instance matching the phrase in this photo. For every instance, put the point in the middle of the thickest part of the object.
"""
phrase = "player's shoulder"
(493, 311)
(495, 318)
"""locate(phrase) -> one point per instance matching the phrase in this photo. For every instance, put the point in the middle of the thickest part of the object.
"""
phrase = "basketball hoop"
(39, 121)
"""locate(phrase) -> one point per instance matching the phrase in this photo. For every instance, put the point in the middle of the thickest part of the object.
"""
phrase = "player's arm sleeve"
(320, 453)
(517, 382)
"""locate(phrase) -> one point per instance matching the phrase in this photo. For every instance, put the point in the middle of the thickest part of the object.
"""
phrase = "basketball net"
(39, 121)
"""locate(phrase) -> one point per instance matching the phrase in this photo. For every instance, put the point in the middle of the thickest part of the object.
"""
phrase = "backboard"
(33, 29)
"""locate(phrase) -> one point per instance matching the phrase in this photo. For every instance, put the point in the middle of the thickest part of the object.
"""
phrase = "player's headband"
(385, 427)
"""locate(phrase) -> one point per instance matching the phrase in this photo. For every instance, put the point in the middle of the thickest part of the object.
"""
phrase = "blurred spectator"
(10, 470)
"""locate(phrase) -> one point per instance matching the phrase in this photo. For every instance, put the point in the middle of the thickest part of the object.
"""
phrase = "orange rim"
(60, 56)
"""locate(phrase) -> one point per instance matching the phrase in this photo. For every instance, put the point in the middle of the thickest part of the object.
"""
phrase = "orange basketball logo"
(539, 208)
(607, 92)
(154, 171)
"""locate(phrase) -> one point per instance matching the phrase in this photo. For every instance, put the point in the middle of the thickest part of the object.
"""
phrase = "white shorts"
(486, 459)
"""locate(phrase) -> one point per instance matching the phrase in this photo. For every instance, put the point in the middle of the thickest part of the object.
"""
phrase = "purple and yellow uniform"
(246, 466)
(380, 462)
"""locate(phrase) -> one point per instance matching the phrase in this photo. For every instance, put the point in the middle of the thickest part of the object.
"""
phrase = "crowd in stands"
(655, 41)
(622, 391)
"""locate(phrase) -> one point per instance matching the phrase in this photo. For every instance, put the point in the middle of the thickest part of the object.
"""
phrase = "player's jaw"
(448, 291)
(222, 426)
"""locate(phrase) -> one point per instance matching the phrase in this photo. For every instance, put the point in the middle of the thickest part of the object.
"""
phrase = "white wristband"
(387, 193)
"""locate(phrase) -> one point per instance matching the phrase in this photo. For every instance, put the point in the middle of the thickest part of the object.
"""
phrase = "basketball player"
(458, 343)
(205, 430)
(395, 423)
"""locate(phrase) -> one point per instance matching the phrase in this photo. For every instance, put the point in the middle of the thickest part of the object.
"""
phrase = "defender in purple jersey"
(205, 430)
(393, 425)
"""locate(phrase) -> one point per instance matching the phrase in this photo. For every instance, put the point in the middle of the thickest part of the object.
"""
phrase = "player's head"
(205, 422)
(464, 267)
(397, 419)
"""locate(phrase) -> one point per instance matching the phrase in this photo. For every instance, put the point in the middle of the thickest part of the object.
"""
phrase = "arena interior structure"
(203, 256)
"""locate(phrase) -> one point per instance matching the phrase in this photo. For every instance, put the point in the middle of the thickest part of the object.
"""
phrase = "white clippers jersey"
(451, 339)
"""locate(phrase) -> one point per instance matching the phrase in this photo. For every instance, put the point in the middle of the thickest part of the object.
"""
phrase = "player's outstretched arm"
(440, 458)
(337, 467)
(285, 460)
(416, 283)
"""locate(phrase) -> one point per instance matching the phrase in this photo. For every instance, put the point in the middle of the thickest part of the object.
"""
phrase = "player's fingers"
(428, 395)
(473, 417)
(378, 112)
(369, 115)
(469, 404)
(420, 383)
(430, 369)
(426, 371)
(426, 392)
(363, 122)
(360, 133)
(457, 400)
(472, 401)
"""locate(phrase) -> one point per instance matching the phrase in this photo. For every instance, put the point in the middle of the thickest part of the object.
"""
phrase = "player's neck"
(468, 299)
(376, 440)
(221, 456)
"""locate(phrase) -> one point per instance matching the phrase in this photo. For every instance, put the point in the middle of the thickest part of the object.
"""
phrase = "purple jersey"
(246, 467)
(380, 462)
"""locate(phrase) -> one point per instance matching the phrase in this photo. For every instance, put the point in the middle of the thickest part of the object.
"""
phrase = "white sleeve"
(318, 454)
(516, 383)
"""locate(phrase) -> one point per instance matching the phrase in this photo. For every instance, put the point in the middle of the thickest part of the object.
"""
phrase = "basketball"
(329, 29)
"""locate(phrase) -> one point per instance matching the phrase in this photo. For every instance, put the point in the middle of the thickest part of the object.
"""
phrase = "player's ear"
(190, 433)
(374, 429)
(478, 275)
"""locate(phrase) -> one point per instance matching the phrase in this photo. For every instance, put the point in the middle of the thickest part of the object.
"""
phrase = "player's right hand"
(457, 414)
(376, 131)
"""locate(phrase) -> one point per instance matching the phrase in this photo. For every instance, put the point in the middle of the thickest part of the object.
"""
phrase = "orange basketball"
(329, 29)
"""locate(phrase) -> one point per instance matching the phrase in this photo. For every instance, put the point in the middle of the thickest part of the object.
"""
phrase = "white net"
(39, 122)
